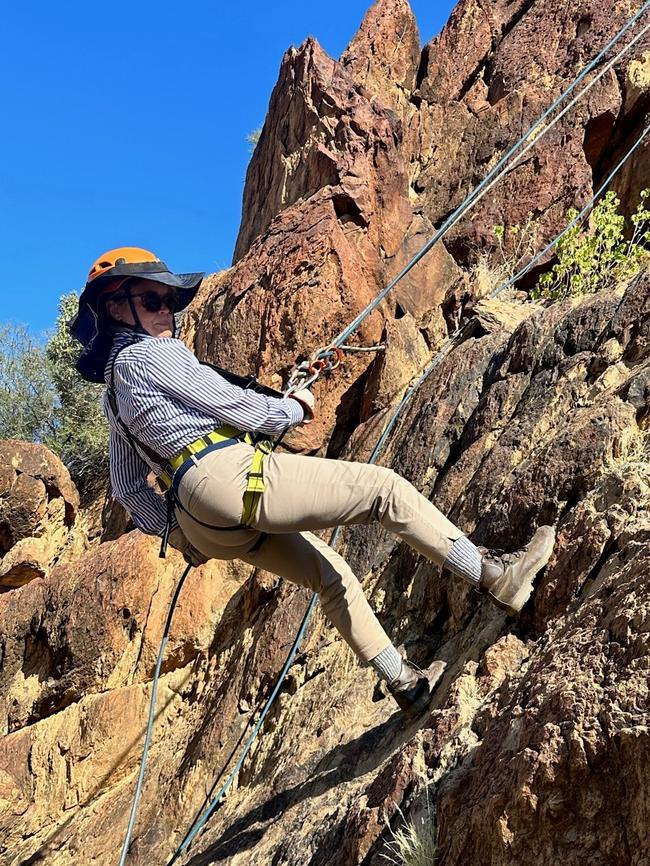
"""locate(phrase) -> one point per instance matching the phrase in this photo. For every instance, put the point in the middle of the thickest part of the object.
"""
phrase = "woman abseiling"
(232, 496)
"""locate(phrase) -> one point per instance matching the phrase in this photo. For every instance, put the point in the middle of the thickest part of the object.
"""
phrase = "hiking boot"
(508, 577)
(414, 688)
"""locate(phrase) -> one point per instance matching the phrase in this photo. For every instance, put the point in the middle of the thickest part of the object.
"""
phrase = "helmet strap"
(138, 324)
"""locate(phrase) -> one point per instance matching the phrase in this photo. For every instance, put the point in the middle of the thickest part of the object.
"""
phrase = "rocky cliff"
(536, 747)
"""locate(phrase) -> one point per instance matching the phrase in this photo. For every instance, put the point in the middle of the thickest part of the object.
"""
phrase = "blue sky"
(126, 123)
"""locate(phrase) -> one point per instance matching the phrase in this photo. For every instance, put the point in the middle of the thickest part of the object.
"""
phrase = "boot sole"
(526, 589)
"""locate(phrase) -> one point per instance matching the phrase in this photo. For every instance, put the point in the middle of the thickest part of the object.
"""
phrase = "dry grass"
(631, 452)
(630, 461)
(414, 842)
(513, 246)
(488, 274)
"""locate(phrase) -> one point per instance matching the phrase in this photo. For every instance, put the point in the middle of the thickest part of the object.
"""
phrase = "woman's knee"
(334, 577)
(390, 487)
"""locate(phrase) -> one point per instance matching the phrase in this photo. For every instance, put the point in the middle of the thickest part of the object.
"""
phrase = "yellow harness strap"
(194, 448)
(255, 481)
(255, 477)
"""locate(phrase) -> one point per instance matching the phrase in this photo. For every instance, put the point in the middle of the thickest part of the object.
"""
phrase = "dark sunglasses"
(153, 302)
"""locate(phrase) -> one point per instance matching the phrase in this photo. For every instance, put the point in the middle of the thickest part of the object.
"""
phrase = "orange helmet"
(111, 270)
(122, 257)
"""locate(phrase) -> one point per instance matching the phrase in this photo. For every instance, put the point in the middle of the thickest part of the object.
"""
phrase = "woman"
(231, 499)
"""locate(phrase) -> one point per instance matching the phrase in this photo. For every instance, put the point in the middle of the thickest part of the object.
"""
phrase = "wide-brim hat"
(109, 273)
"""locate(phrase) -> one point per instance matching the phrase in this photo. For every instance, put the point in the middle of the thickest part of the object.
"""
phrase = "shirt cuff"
(296, 411)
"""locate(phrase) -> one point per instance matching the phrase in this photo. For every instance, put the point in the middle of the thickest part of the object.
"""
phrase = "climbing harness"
(175, 468)
(255, 481)
(308, 372)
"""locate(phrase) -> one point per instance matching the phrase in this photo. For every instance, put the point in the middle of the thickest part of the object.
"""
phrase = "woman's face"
(146, 296)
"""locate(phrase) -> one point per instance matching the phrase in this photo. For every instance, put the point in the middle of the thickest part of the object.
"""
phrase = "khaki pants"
(302, 494)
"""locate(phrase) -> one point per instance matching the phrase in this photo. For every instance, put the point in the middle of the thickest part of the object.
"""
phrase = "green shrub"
(43, 399)
(599, 256)
(80, 435)
(27, 395)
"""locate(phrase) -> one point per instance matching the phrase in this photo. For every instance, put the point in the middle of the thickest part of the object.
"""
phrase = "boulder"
(38, 506)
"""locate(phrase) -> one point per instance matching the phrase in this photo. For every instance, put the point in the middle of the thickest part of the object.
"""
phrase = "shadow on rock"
(347, 762)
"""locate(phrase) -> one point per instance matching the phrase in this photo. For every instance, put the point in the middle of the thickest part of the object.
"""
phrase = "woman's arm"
(130, 483)
(174, 369)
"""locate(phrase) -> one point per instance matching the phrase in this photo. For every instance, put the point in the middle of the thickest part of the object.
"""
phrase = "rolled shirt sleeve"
(173, 368)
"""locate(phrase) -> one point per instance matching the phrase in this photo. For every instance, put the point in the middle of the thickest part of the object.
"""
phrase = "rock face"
(489, 75)
(384, 56)
(536, 745)
(38, 505)
(326, 211)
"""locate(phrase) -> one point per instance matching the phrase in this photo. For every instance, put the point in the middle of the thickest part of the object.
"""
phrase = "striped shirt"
(167, 399)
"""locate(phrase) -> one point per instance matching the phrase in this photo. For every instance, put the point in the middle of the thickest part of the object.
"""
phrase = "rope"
(298, 378)
(336, 347)
(152, 713)
(457, 337)
(495, 175)
(202, 820)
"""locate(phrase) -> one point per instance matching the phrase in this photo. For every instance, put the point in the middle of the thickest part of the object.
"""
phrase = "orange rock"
(38, 506)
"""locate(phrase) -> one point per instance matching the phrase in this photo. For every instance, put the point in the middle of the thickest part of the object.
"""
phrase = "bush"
(252, 138)
(600, 256)
(43, 399)
(27, 395)
(80, 430)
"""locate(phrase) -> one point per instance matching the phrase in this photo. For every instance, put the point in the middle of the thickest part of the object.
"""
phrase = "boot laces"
(507, 558)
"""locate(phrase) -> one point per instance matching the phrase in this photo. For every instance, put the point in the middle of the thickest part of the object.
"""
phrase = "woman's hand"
(306, 400)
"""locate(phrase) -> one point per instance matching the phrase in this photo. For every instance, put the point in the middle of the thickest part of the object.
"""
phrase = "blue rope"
(494, 175)
(152, 714)
(207, 814)
(453, 340)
